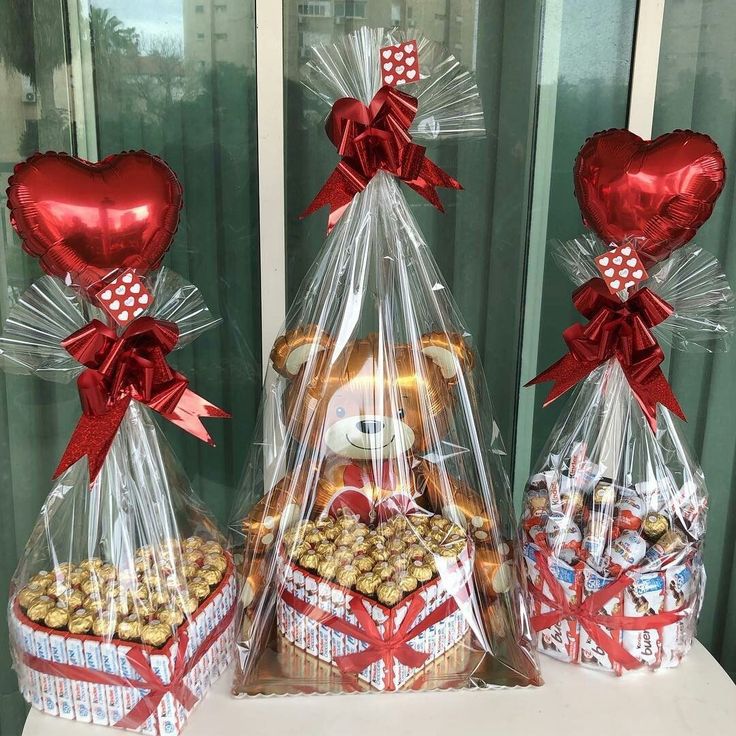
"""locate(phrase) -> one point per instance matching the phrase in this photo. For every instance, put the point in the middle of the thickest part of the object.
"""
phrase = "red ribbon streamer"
(393, 645)
(616, 329)
(122, 368)
(376, 138)
(588, 615)
(381, 501)
(148, 704)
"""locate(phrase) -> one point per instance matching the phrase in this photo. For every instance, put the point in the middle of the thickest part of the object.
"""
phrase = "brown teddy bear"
(365, 416)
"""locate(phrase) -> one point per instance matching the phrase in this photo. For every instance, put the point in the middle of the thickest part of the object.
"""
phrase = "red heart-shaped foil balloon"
(661, 190)
(86, 221)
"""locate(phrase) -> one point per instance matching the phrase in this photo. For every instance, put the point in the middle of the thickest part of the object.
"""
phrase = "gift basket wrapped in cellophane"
(374, 518)
(121, 609)
(615, 511)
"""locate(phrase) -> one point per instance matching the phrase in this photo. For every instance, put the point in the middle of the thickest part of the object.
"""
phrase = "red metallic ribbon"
(148, 704)
(381, 501)
(376, 138)
(588, 615)
(621, 330)
(123, 368)
(394, 645)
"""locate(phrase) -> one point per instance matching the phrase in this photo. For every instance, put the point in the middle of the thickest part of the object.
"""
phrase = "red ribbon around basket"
(376, 138)
(616, 329)
(131, 366)
(148, 704)
(393, 646)
(588, 615)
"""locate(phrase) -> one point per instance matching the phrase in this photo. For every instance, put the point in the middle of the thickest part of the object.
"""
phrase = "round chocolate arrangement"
(385, 562)
(144, 603)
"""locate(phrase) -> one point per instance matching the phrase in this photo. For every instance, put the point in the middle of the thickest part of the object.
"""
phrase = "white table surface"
(696, 698)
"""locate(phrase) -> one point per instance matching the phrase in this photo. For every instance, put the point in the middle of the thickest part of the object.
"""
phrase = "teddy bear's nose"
(369, 426)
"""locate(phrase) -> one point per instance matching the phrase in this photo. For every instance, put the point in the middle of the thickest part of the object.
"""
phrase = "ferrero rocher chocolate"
(211, 575)
(56, 617)
(389, 593)
(309, 560)
(405, 581)
(367, 583)
(27, 595)
(129, 628)
(384, 570)
(155, 633)
(199, 588)
(343, 555)
(105, 624)
(211, 548)
(93, 563)
(421, 571)
(363, 563)
(327, 569)
(80, 621)
(171, 616)
(347, 576)
(654, 526)
(38, 608)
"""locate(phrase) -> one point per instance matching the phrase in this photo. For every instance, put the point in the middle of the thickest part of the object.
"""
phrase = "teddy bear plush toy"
(367, 419)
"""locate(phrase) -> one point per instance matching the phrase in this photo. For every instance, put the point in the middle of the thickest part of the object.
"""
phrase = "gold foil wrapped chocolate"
(27, 595)
(367, 583)
(654, 526)
(347, 576)
(155, 633)
(129, 628)
(389, 593)
(80, 621)
(56, 617)
(38, 608)
(105, 624)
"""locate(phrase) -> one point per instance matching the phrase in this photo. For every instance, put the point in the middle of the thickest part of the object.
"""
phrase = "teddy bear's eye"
(401, 414)
(340, 411)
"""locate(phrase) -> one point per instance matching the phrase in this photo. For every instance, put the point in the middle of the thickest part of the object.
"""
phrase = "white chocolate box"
(328, 607)
(116, 665)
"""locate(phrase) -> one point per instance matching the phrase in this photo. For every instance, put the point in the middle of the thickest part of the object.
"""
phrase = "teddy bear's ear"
(449, 352)
(292, 350)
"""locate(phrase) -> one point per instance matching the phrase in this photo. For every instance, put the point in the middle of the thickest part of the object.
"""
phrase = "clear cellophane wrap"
(615, 510)
(379, 550)
(121, 608)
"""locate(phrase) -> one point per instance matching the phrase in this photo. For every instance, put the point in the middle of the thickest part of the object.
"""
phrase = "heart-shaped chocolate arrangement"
(661, 190)
(85, 221)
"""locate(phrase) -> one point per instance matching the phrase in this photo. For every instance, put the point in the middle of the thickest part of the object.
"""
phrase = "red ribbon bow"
(616, 329)
(379, 500)
(376, 138)
(122, 368)
(148, 704)
(394, 645)
(588, 615)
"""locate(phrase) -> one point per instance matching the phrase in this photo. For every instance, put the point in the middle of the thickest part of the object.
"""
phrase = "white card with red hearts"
(125, 298)
(621, 268)
(399, 64)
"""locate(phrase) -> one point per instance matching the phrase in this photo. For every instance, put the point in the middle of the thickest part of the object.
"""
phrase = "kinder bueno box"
(385, 646)
(123, 683)
(585, 617)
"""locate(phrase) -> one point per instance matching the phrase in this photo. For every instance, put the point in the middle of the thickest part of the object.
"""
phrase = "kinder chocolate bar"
(48, 686)
(64, 694)
(644, 597)
(98, 695)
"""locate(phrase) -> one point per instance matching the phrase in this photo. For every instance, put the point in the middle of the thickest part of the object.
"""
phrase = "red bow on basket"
(123, 368)
(588, 615)
(376, 138)
(393, 645)
(617, 329)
